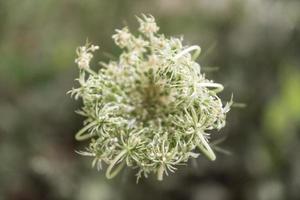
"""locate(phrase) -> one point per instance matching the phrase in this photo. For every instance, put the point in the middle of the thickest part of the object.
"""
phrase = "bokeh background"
(254, 44)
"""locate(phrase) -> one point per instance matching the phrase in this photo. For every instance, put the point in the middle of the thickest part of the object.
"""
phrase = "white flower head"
(139, 44)
(152, 108)
(122, 37)
(85, 55)
(130, 58)
(148, 25)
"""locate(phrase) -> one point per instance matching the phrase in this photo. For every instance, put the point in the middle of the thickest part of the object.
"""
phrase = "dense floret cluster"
(152, 109)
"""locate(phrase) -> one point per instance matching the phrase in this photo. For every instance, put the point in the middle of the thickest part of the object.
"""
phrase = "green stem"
(80, 136)
(160, 173)
(205, 148)
(218, 87)
(195, 48)
(109, 174)
(90, 71)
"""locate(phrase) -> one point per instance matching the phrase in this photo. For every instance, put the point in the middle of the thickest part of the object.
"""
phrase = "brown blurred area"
(255, 44)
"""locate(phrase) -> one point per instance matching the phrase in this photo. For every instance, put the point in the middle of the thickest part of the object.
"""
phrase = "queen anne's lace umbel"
(150, 110)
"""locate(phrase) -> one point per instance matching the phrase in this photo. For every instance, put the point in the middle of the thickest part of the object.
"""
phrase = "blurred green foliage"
(254, 43)
(282, 115)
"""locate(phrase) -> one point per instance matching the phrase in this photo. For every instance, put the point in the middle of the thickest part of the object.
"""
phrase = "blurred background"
(254, 44)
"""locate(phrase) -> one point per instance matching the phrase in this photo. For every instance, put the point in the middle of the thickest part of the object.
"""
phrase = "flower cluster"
(150, 110)
(85, 55)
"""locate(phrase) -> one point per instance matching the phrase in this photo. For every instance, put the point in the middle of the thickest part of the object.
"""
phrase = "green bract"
(152, 109)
